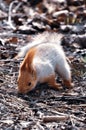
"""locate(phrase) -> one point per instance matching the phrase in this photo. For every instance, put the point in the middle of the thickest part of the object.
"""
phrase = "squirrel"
(43, 60)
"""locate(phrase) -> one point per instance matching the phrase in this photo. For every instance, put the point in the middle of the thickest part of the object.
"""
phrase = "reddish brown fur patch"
(23, 79)
(52, 82)
(68, 83)
(27, 62)
(27, 73)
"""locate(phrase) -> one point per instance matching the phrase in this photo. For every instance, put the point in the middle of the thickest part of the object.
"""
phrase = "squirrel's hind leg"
(68, 83)
(52, 82)
(65, 72)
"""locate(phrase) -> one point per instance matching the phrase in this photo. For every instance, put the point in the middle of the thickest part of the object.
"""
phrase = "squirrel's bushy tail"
(46, 37)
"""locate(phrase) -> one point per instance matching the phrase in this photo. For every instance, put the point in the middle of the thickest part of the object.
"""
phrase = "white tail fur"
(46, 37)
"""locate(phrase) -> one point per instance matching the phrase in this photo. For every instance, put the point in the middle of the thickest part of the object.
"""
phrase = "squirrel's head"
(26, 80)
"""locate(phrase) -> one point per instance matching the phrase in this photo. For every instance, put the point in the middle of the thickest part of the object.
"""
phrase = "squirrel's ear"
(33, 73)
(26, 66)
(29, 68)
(23, 66)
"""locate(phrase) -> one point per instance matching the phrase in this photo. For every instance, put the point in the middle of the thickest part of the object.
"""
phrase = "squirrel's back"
(51, 58)
(49, 52)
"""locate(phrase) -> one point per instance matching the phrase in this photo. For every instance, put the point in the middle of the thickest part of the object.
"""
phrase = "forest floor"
(44, 108)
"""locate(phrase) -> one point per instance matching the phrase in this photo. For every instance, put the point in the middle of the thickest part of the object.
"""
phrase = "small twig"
(61, 118)
(81, 105)
(11, 60)
(78, 119)
(10, 14)
(55, 118)
(56, 14)
(12, 35)
(17, 7)
(72, 121)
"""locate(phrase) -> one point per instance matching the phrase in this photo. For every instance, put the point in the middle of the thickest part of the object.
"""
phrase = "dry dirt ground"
(43, 108)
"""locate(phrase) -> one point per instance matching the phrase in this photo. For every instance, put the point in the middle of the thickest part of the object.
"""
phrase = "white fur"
(50, 58)
(45, 37)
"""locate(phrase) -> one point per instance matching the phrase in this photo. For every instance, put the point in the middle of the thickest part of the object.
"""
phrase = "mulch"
(43, 108)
